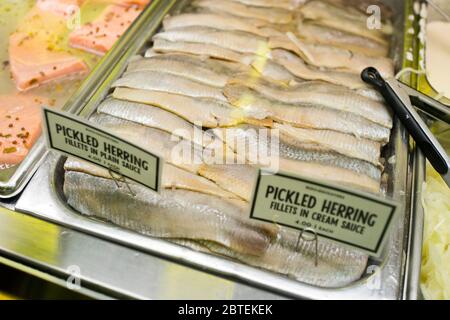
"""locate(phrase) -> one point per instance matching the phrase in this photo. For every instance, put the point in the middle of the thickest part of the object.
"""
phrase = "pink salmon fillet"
(64, 8)
(34, 63)
(20, 125)
(100, 35)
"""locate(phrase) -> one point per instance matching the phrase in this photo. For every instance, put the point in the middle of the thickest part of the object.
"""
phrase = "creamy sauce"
(438, 57)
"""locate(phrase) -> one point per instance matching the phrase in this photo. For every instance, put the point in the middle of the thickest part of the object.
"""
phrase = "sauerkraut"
(435, 276)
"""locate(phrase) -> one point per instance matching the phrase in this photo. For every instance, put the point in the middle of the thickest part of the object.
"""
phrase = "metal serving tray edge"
(385, 278)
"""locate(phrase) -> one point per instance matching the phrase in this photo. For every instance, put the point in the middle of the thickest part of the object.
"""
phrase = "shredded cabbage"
(435, 274)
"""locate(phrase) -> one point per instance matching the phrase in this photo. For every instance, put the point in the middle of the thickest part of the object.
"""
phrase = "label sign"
(81, 139)
(348, 217)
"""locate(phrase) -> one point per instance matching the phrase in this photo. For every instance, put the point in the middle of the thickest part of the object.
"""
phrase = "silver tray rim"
(359, 289)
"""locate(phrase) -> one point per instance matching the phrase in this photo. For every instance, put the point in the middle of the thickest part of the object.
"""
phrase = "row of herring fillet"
(234, 67)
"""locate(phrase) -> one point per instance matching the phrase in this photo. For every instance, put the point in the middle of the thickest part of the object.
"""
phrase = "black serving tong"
(401, 99)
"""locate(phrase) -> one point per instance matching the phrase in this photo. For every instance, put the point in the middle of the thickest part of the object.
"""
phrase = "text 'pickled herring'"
(325, 211)
(109, 152)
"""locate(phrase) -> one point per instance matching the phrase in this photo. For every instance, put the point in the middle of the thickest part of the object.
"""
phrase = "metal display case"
(111, 254)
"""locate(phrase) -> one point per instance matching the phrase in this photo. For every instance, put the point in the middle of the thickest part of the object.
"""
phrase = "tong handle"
(422, 102)
(371, 76)
(411, 120)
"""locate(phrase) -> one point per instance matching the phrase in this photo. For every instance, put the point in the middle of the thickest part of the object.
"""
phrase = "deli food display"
(221, 94)
(232, 70)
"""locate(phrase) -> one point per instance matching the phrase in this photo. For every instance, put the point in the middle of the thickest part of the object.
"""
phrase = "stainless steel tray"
(17, 179)
(384, 278)
(14, 180)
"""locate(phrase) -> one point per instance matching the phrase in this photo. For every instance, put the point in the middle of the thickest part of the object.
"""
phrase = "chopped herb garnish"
(23, 136)
(10, 150)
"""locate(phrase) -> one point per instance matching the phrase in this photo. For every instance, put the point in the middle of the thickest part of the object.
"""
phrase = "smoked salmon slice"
(100, 35)
(33, 62)
(20, 125)
(64, 8)
(37, 52)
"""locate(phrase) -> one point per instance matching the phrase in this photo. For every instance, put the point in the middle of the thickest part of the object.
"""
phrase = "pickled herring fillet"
(100, 35)
(299, 68)
(302, 138)
(343, 19)
(166, 82)
(186, 154)
(146, 115)
(342, 143)
(314, 117)
(259, 23)
(362, 5)
(153, 140)
(314, 33)
(216, 65)
(238, 41)
(149, 116)
(283, 4)
(265, 149)
(207, 71)
(211, 20)
(240, 179)
(209, 113)
(202, 49)
(155, 117)
(320, 55)
(273, 71)
(319, 94)
(172, 178)
(171, 214)
(236, 178)
(176, 178)
(213, 72)
(337, 266)
(338, 176)
(78, 165)
(271, 15)
(316, 154)
(316, 93)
